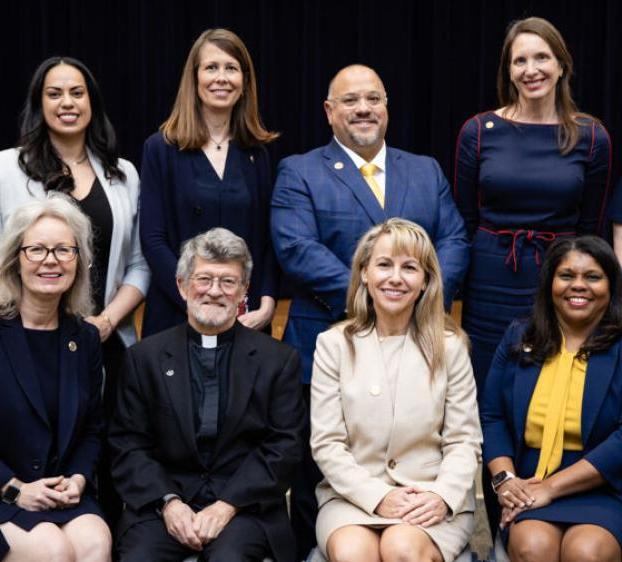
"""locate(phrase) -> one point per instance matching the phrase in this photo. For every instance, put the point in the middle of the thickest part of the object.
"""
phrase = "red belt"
(517, 239)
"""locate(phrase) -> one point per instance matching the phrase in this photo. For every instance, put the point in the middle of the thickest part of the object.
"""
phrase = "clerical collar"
(211, 341)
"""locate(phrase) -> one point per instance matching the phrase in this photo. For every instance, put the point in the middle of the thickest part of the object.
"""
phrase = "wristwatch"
(500, 478)
(164, 500)
(10, 493)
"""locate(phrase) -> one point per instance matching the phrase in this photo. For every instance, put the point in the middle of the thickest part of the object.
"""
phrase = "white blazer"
(126, 264)
(366, 443)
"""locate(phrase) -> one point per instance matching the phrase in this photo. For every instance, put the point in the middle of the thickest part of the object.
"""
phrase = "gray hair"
(219, 245)
(77, 300)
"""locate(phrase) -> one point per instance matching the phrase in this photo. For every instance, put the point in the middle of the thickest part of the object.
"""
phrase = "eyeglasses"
(40, 253)
(227, 285)
(372, 99)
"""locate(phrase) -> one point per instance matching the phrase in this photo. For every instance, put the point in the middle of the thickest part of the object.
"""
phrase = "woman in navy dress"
(208, 167)
(551, 412)
(51, 380)
(531, 171)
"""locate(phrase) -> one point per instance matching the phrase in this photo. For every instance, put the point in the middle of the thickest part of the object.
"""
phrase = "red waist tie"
(517, 239)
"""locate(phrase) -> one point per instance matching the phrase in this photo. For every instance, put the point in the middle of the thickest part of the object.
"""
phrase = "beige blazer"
(366, 444)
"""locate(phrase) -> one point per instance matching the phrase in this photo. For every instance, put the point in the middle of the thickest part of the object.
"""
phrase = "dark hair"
(185, 126)
(37, 156)
(543, 335)
(507, 94)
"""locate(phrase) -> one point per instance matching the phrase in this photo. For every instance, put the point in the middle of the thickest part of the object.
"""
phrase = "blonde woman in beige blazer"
(395, 427)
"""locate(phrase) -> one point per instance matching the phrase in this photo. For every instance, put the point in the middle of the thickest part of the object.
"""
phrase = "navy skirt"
(595, 507)
(28, 519)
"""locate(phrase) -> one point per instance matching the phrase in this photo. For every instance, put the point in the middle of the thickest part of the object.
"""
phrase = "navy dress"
(50, 412)
(181, 196)
(517, 193)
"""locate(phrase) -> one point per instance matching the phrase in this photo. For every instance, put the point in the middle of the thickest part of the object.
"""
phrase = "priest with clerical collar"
(207, 429)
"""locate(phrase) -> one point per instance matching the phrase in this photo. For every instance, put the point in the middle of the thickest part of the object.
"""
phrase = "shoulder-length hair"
(429, 321)
(568, 130)
(38, 157)
(77, 300)
(185, 126)
(543, 335)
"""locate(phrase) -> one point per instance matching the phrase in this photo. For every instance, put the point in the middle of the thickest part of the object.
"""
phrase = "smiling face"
(65, 102)
(362, 126)
(534, 69)
(213, 307)
(49, 279)
(394, 282)
(220, 81)
(580, 291)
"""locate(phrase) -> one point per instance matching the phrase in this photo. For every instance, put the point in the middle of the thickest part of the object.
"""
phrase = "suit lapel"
(16, 348)
(396, 185)
(70, 367)
(175, 371)
(341, 167)
(600, 370)
(524, 384)
(243, 370)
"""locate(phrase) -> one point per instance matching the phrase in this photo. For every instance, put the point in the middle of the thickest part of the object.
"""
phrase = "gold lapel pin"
(170, 373)
(338, 165)
(489, 124)
(72, 345)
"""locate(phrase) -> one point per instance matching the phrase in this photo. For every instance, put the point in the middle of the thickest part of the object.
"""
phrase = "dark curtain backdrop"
(437, 59)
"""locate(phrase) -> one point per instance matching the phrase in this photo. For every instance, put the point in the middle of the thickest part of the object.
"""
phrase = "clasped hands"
(413, 505)
(195, 529)
(518, 495)
(55, 492)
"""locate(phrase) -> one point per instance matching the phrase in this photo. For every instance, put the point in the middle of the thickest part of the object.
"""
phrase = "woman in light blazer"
(394, 420)
(68, 145)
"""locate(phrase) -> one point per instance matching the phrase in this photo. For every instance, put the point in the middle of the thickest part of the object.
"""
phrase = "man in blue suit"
(326, 199)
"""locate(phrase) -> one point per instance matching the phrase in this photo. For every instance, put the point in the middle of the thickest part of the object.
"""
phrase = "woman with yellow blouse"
(552, 412)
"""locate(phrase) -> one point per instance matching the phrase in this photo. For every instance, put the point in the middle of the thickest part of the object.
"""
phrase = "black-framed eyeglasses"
(40, 253)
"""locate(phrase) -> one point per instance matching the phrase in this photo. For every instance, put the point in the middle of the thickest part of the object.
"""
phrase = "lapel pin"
(338, 165)
(489, 124)
(72, 345)
(252, 158)
(374, 390)
(170, 373)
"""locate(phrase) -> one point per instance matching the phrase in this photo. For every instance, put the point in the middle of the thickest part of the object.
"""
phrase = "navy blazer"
(509, 387)
(321, 206)
(180, 197)
(26, 435)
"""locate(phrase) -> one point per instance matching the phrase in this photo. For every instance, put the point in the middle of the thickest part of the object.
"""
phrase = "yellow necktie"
(368, 170)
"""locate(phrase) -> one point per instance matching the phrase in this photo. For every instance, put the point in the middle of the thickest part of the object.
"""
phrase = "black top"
(44, 347)
(97, 208)
(209, 368)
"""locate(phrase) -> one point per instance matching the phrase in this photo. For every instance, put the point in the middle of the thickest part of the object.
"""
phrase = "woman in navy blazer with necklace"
(51, 380)
(207, 167)
(552, 412)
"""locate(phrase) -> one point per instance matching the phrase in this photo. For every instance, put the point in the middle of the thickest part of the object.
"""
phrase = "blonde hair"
(567, 111)
(77, 300)
(185, 126)
(429, 321)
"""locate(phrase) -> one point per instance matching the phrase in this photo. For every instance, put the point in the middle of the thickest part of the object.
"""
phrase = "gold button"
(338, 165)
(72, 345)
(392, 464)
(489, 124)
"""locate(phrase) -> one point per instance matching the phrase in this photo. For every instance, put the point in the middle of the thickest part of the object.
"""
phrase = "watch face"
(499, 477)
(10, 494)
